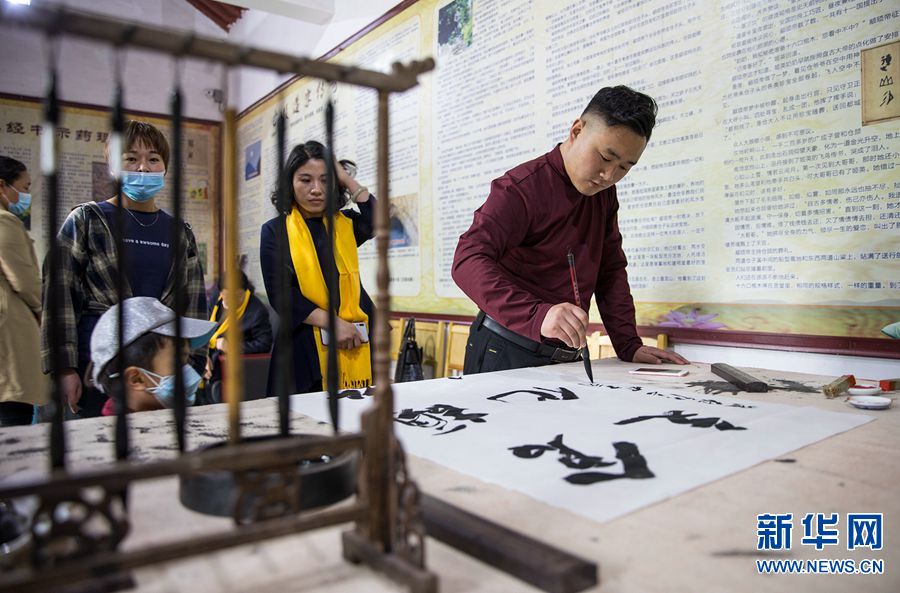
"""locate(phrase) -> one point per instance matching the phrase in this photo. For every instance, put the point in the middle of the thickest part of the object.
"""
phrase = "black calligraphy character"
(709, 388)
(568, 456)
(575, 459)
(695, 422)
(543, 394)
(726, 425)
(350, 394)
(531, 451)
(420, 419)
(457, 413)
(887, 98)
(436, 416)
(356, 393)
(566, 394)
(679, 417)
(886, 81)
(676, 413)
(634, 467)
(885, 62)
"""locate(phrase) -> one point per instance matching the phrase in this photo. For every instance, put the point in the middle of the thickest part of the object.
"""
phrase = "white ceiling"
(312, 11)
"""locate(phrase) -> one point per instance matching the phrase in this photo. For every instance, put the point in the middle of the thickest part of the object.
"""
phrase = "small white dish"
(864, 390)
(870, 402)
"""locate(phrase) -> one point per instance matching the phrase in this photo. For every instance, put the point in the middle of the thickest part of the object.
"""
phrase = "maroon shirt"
(512, 260)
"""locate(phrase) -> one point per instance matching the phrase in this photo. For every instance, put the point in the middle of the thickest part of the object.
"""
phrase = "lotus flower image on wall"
(692, 319)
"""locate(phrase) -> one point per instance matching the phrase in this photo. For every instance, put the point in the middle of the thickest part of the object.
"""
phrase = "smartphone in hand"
(360, 327)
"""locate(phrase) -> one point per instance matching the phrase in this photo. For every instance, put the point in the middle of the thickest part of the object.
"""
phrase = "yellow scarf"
(354, 366)
(221, 329)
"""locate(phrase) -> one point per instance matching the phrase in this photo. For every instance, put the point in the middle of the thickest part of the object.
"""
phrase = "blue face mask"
(165, 386)
(140, 186)
(22, 208)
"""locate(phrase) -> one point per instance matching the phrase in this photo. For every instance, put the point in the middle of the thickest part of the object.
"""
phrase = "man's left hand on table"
(651, 355)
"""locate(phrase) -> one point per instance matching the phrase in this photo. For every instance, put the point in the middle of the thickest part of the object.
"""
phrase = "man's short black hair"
(622, 106)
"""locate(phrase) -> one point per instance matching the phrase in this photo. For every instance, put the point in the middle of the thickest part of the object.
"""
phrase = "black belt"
(556, 354)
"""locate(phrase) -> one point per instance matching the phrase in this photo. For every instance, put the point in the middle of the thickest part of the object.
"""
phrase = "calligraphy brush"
(585, 355)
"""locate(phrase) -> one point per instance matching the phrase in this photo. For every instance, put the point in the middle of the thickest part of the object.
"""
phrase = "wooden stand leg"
(535, 562)
(358, 549)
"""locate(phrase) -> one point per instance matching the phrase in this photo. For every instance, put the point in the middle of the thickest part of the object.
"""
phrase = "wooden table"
(703, 540)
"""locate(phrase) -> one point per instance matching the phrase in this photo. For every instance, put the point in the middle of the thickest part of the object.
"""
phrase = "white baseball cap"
(142, 315)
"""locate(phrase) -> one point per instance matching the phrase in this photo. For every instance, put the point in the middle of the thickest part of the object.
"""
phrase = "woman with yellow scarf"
(305, 178)
(255, 328)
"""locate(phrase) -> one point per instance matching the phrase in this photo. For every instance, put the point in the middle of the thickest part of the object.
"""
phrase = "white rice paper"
(680, 456)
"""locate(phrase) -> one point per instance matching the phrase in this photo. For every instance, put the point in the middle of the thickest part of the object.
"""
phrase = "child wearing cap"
(149, 351)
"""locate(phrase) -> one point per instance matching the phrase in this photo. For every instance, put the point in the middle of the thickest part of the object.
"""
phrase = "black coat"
(307, 375)
(255, 324)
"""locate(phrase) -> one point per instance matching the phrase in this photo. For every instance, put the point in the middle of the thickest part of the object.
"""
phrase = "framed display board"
(761, 206)
(84, 173)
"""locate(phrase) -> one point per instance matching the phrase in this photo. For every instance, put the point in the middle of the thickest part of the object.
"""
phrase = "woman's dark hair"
(10, 169)
(147, 134)
(622, 106)
(245, 283)
(296, 159)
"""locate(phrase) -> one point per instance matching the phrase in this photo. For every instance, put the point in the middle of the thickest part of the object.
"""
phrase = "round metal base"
(324, 481)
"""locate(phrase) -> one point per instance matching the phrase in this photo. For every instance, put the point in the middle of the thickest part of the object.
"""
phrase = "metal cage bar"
(378, 535)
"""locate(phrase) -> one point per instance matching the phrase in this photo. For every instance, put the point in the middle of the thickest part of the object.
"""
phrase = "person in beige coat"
(22, 384)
